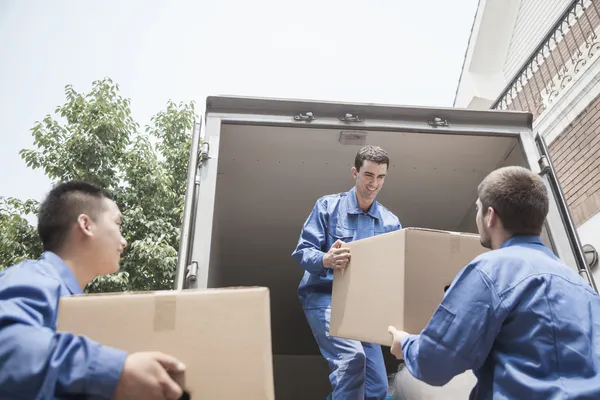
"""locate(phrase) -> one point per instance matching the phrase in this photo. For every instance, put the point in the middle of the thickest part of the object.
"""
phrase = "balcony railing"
(564, 53)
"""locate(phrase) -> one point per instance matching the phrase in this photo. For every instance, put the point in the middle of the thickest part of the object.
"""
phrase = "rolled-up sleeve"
(460, 333)
(310, 249)
(38, 362)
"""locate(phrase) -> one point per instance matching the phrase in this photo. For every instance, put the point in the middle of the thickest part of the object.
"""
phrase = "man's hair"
(61, 208)
(371, 153)
(518, 196)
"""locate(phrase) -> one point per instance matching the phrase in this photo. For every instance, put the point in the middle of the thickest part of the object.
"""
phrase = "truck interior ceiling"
(269, 178)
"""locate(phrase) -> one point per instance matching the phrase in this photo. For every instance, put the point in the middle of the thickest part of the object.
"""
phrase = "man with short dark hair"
(357, 369)
(525, 323)
(79, 225)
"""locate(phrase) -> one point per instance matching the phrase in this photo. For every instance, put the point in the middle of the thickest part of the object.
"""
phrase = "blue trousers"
(357, 368)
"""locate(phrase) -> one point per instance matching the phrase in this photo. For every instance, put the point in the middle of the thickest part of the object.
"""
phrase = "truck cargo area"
(268, 180)
(263, 163)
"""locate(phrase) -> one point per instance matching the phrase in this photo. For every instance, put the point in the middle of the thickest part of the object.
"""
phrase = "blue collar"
(65, 273)
(354, 208)
(521, 239)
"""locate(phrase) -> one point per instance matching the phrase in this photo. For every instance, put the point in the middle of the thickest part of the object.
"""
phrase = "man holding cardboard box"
(357, 369)
(526, 324)
(79, 226)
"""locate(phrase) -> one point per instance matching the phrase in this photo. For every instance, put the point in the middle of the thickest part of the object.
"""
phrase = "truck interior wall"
(268, 181)
(513, 156)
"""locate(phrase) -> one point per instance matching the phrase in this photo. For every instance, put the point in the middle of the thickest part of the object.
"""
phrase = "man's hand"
(337, 257)
(398, 337)
(146, 376)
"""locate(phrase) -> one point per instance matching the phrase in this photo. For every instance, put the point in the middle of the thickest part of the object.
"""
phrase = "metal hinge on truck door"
(191, 275)
(203, 154)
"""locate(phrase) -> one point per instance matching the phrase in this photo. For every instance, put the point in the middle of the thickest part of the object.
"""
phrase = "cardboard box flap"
(441, 231)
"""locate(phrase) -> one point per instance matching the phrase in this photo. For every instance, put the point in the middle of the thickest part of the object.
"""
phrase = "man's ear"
(84, 225)
(492, 218)
(354, 172)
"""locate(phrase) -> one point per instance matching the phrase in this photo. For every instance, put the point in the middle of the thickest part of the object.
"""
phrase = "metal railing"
(555, 62)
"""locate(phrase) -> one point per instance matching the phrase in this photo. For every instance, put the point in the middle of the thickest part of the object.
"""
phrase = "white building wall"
(534, 20)
(482, 78)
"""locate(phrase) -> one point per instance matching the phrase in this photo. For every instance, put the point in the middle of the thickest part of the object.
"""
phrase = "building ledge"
(486, 52)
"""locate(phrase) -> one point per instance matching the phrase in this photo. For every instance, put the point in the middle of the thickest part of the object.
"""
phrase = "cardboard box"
(398, 279)
(222, 335)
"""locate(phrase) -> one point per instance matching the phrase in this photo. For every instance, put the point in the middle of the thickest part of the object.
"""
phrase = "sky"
(383, 51)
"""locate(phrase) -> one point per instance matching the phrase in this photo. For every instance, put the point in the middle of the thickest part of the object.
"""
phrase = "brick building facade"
(576, 156)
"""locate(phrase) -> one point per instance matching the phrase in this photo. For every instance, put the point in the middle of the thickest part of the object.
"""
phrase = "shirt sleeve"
(310, 249)
(36, 360)
(460, 334)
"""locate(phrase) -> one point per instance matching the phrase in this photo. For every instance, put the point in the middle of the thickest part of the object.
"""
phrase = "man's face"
(484, 232)
(369, 180)
(107, 241)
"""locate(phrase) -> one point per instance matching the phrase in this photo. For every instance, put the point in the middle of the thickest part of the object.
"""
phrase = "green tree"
(18, 239)
(93, 137)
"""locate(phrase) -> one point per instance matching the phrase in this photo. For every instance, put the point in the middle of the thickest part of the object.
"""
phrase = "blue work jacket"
(525, 323)
(336, 216)
(36, 362)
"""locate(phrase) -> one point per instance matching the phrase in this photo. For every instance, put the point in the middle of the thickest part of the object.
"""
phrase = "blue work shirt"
(336, 216)
(525, 323)
(36, 362)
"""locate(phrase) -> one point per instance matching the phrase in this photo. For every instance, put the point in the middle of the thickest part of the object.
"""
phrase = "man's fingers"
(169, 363)
(392, 330)
(345, 254)
(341, 250)
(340, 264)
(341, 257)
(171, 390)
(340, 253)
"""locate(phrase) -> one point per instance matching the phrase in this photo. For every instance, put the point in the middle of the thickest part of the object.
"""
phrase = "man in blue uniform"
(525, 323)
(357, 369)
(79, 226)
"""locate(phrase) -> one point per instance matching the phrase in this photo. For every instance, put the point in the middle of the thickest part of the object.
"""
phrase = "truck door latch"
(437, 122)
(307, 116)
(350, 118)
(191, 273)
(203, 154)
(544, 165)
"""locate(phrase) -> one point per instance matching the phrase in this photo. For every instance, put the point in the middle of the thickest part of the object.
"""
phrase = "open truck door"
(186, 275)
(574, 248)
(258, 165)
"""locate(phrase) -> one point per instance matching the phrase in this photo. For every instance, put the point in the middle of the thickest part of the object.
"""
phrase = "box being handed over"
(223, 336)
(397, 279)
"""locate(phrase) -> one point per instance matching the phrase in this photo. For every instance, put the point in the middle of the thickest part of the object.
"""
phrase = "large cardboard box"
(398, 279)
(222, 335)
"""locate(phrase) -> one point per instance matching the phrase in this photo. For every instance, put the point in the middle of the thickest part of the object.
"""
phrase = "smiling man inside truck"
(357, 369)
(525, 323)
